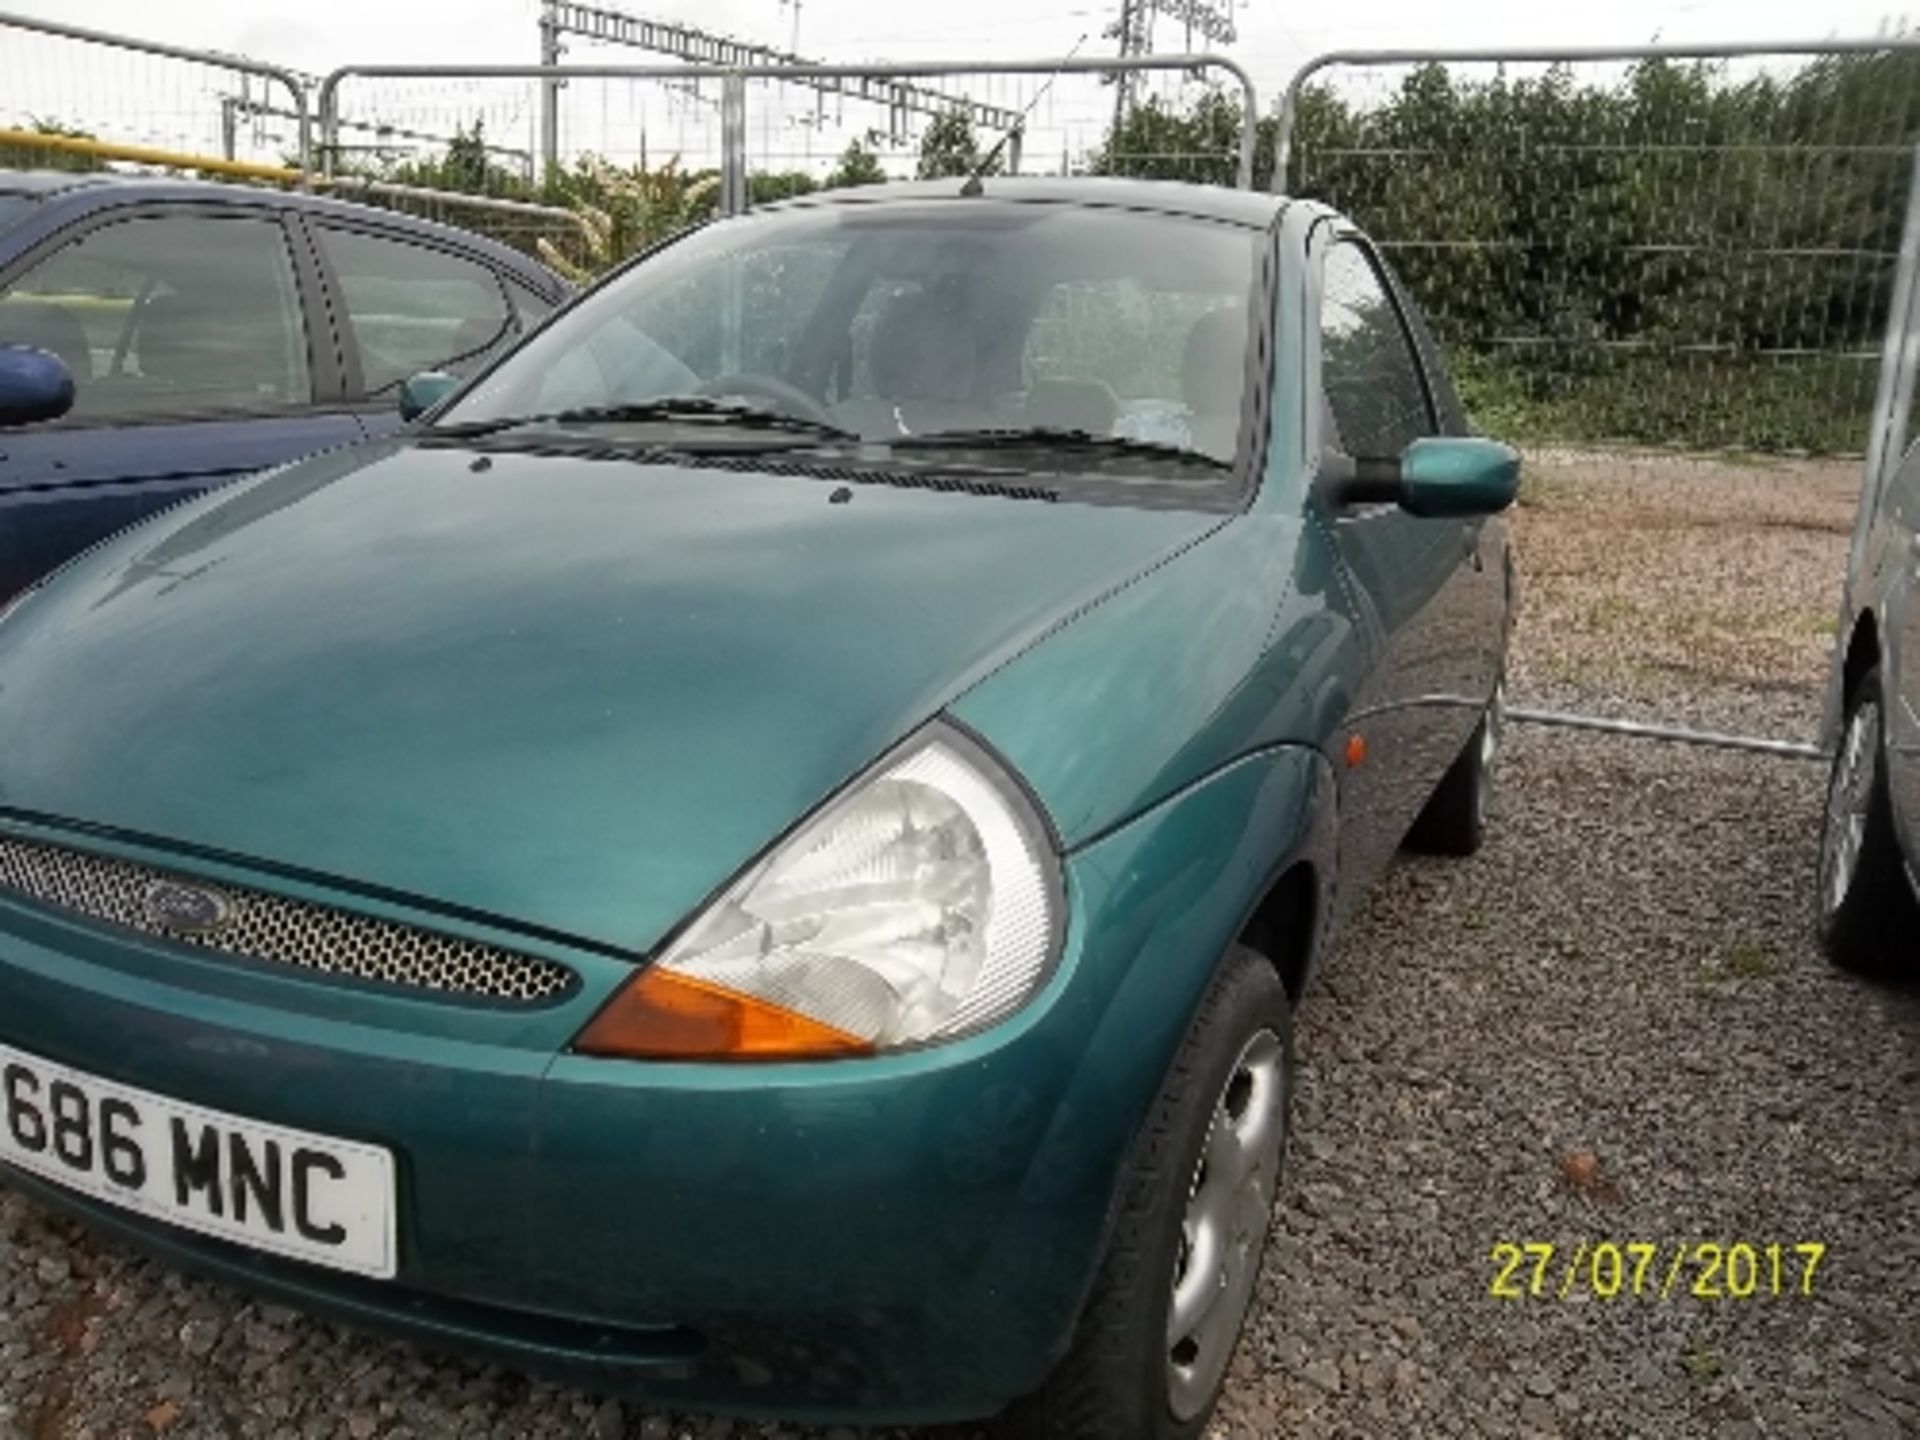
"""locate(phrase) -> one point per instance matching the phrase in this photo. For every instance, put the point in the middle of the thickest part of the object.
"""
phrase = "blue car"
(213, 330)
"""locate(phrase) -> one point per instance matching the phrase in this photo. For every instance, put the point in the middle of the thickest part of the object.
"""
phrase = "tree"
(467, 166)
(627, 208)
(1200, 145)
(948, 147)
(766, 186)
(1674, 255)
(857, 166)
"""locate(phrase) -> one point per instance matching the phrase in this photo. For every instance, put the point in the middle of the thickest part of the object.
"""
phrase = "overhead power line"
(1134, 30)
(686, 42)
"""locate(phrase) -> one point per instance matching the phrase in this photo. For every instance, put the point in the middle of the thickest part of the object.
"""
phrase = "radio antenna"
(973, 186)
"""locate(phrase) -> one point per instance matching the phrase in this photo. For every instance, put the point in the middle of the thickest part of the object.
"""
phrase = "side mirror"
(1437, 477)
(34, 385)
(420, 393)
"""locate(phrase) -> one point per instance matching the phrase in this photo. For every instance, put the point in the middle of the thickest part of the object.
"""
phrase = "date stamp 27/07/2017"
(1654, 1269)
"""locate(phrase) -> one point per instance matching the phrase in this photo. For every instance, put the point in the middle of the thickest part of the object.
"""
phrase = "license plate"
(290, 1192)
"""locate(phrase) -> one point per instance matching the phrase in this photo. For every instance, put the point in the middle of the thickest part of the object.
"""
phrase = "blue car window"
(1373, 383)
(411, 308)
(168, 314)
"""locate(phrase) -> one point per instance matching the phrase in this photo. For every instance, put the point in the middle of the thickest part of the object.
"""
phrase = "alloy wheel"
(1224, 1229)
(1849, 802)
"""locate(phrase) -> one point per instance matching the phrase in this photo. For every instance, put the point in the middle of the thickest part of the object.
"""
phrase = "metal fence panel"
(796, 122)
(1050, 118)
(1669, 276)
(565, 239)
(142, 92)
(631, 188)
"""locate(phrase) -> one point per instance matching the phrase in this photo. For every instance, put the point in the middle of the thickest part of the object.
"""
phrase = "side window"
(411, 308)
(168, 313)
(1373, 384)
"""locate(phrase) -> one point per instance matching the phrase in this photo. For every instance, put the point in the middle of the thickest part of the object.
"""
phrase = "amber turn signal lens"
(663, 1016)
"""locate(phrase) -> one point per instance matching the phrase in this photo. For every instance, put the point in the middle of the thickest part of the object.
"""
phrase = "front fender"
(1157, 904)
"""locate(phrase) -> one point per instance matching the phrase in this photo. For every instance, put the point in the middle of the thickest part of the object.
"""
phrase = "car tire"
(1454, 821)
(1865, 895)
(1221, 1115)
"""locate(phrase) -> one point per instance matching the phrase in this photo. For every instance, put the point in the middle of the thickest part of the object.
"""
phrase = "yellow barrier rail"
(148, 155)
(348, 185)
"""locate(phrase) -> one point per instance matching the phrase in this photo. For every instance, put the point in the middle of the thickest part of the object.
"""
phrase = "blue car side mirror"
(1435, 477)
(420, 393)
(34, 385)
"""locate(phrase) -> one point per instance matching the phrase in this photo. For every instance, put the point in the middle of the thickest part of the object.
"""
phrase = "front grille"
(275, 928)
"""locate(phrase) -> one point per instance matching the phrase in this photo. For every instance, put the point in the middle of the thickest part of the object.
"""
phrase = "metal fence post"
(305, 130)
(733, 143)
(549, 94)
(329, 125)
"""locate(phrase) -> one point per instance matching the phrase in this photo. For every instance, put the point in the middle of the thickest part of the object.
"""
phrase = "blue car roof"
(64, 196)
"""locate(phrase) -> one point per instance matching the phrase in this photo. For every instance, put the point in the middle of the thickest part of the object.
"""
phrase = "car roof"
(1170, 197)
(47, 182)
(93, 190)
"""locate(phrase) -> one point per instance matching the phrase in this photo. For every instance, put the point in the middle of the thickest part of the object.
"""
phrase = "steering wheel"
(791, 399)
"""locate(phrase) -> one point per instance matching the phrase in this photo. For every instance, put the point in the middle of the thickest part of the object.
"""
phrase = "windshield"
(1066, 339)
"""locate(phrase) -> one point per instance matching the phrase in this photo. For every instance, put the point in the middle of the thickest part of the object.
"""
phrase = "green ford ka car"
(762, 853)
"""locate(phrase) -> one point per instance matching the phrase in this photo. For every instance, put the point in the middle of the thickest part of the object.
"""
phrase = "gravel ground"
(1695, 591)
(1611, 1025)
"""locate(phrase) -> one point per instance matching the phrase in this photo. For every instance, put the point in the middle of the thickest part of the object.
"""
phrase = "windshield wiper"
(679, 407)
(1048, 437)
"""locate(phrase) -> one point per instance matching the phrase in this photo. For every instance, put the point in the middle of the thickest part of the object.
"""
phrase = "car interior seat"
(1213, 375)
(1088, 405)
(196, 349)
(925, 362)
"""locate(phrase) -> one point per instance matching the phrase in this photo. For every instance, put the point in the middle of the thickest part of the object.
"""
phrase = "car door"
(1902, 614)
(187, 331)
(410, 306)
(1413, 579)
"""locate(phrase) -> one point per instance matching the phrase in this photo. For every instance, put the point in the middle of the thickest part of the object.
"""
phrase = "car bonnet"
(577, 694)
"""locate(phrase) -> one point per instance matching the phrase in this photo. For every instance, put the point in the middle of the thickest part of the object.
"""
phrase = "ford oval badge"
(188, 909)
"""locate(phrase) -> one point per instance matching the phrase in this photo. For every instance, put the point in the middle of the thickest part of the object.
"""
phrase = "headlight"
(920, 904)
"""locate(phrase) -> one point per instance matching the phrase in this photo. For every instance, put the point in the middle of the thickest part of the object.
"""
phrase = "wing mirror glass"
(1435, 477)
(420, 393)
(34, 385)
